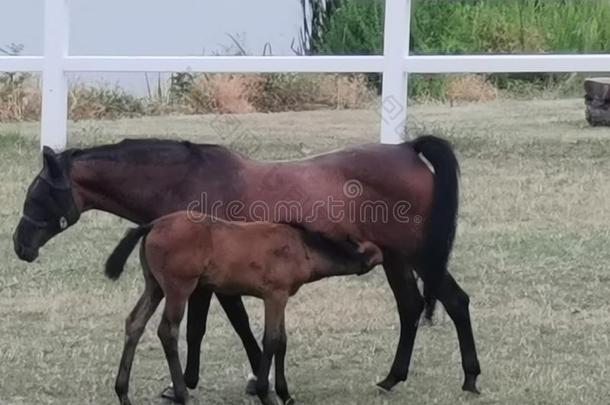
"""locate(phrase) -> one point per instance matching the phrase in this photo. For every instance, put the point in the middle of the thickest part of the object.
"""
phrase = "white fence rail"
(395, 64)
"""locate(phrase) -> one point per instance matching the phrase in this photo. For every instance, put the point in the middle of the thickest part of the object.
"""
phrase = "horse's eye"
(63, 223)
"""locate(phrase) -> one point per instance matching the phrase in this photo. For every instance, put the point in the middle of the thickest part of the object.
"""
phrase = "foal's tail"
(116, 262)
(443, 219)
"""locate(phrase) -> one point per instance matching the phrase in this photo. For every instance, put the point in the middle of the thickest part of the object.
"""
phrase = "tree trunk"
(597, 100)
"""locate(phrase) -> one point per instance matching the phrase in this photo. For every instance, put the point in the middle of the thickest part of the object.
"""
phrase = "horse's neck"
(110, 187)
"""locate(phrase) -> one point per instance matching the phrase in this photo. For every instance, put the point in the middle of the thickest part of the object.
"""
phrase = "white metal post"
(395, 80)
(53, 122)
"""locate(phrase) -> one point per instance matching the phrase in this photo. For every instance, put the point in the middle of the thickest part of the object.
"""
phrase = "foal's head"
(341, 257)
(371, 255)
(49, 206)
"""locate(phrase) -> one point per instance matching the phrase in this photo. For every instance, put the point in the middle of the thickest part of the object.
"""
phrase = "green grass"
(532, 251)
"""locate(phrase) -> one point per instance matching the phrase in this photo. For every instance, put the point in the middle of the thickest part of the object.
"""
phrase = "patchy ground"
(532, 250)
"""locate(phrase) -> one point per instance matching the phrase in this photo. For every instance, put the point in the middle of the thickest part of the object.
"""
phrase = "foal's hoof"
(470, 384)
(289, 401)
(387, 384)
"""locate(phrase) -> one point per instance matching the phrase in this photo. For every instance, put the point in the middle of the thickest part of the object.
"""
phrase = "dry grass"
(88, 102)
(20, 98)
(470, 89)
(217, 93)
(224, 93)
(246, 93)
(532, 251)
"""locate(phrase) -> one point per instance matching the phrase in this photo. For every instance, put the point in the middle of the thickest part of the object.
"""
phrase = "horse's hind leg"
(199, 305)
(234, 308)
(456, 303)
(274, 315)
(410, 306)
(134, 327)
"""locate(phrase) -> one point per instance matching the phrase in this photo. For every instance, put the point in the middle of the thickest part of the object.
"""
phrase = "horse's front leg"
(410, 306)
(236, 312)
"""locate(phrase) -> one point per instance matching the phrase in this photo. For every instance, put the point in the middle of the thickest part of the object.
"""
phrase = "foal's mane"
(142, 151)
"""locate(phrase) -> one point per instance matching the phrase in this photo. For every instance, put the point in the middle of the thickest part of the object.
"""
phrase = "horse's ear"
(51, 165)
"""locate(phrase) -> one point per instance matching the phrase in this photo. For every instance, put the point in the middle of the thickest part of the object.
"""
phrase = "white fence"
(395, 64)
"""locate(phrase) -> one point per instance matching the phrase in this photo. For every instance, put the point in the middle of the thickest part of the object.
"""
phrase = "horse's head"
(49, 207)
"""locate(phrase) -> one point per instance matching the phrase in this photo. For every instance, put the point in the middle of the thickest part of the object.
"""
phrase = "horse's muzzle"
(25, 253)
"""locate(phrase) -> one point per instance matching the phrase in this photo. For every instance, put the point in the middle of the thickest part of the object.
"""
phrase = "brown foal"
(264, 260)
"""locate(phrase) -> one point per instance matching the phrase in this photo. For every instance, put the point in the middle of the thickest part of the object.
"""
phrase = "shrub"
(101, 102)
(291, 91)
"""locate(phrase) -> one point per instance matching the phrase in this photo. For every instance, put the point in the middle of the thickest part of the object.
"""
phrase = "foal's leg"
(281, 386)
(410, 306)
(456, 302)
(199, 305)
(169, 332)
(274, 315)
(134, 327)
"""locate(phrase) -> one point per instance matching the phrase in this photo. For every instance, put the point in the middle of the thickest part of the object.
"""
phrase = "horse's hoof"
(251, 386)
(289, 401)
(269, 400)
(387, 384)
(168, 393)
(470, 384)
(125, 401)
(191, 382)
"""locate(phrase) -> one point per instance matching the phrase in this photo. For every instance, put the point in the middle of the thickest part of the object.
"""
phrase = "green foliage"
(356, 27)
(499, 26)
(471, 27)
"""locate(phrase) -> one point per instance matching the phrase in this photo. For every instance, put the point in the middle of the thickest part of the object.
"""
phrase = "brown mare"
(260, 259)
(141, 180)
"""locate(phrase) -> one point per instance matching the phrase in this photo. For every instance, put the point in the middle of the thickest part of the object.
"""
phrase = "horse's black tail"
(116, 262)
(443, 219)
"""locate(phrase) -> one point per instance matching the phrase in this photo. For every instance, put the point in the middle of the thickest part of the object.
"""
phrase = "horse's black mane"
(159, 151)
